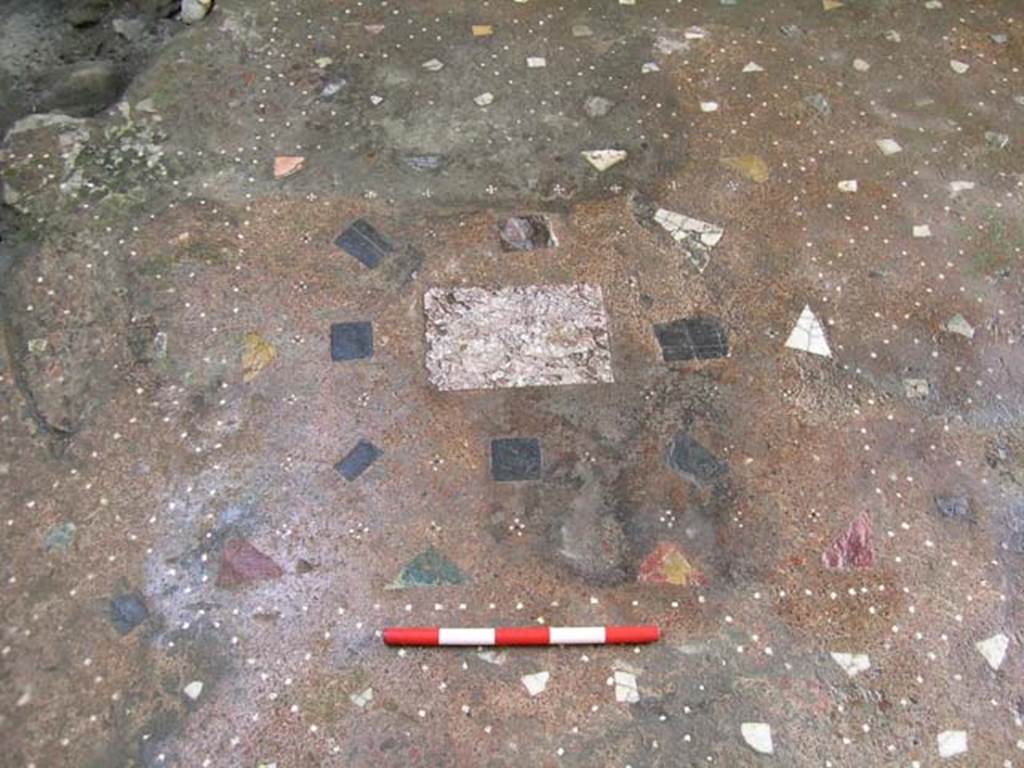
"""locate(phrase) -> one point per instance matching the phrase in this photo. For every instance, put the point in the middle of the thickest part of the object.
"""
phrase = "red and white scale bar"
(630, 635)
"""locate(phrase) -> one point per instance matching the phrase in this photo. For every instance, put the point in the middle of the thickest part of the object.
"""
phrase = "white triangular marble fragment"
(669, 45)
(696, 237)
(194, 689)
(958, 66)
(847, 185)
(758, 737)
(603, 159)
(434, 65)
(484, 99)
(536, 683)
(681, 226)
(649, 67)
(375, 99)
(362, 698)
(958, 324)
(709, 106)
(888, 146)
(922, 230)
(994, 649)
(808, 335)
(625, 687)
(952, 743)
(852, 663)
(955, 187)
(753, 67)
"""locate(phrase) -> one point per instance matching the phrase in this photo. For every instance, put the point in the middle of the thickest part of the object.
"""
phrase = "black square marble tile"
(358, 460)
(364, 242)
(351, 341)
(693, 338)
(515, 458)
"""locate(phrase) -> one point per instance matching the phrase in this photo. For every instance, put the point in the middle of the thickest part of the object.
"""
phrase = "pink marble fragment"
(241, 563)
(854, 548)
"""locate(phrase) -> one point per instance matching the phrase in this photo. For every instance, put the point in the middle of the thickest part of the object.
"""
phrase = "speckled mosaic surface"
(350, 314)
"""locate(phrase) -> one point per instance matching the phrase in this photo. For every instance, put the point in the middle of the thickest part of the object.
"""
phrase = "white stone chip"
(916, 389)
(955, 187)
(758, 737)
(536, 683)
(958, 66)
(695, 33)
(493, 657)
(194, 689)
(434, 65)
(524, 336)
(893, 36)
(376, 100)
(484, 99)
(860, 65)
(808, 335)
(958, 324)
(696, 237)
(852, 663)
(362, 698)
(536, 62)
(753, 67)
(952, 743)
(888, 146)
(994, 649)
(603, 159)
(933, 5)
(922, 230)
(847, 185)
(649, 67)
(709, 106)
(625, 687)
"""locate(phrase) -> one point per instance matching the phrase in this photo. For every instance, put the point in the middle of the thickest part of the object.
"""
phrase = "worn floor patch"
(533, 335)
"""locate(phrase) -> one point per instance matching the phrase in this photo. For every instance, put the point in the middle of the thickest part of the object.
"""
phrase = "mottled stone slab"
(526, 336)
